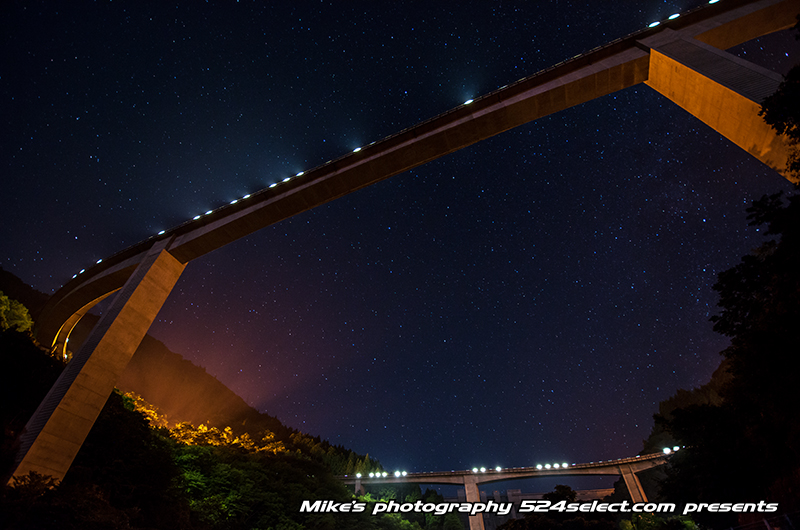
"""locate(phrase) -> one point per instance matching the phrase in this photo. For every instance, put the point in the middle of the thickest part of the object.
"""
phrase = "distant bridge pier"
(473, 494)
(56, 431)
(632, 483)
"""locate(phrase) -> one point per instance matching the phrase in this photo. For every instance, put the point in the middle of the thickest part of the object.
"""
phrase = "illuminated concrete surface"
(650, 56)
(57, 429)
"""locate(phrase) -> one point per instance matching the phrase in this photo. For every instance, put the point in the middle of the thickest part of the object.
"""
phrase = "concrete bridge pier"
(473, 495)
(632, 483)
(56, 431)
(721, 90)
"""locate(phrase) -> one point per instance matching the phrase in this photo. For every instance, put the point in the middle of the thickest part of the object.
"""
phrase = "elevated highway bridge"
(682, 58)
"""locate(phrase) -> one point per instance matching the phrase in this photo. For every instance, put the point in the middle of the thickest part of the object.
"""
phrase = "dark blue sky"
(529, 299)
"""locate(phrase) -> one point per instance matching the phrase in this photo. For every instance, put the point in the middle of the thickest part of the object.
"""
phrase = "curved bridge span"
(682, 59)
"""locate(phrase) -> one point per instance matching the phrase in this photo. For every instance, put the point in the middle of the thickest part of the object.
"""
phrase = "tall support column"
(473, 495)
(632, 483)
(723, 91)
(359, 488)
(57, 429)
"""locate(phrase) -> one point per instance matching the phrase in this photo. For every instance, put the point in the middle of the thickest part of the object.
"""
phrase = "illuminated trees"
(14, 315)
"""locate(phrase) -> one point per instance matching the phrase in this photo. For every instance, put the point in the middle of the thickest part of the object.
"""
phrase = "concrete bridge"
(681, 58)
(472, 479)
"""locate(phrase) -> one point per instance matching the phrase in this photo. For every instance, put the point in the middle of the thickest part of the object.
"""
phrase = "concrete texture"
(57, 429)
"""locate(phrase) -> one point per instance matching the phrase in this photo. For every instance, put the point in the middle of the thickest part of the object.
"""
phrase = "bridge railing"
(512, 470)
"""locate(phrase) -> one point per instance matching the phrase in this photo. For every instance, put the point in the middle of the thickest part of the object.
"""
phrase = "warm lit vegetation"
(135, 471)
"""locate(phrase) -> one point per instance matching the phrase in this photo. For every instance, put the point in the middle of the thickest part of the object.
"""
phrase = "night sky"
(526, 300)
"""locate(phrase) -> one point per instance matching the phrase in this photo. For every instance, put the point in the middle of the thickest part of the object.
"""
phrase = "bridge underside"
(679, 60)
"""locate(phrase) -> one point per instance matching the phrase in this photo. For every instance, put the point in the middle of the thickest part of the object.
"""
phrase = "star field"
(529, 299)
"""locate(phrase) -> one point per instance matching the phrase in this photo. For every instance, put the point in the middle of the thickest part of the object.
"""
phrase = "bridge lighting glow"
(74, 276)
(674, 16)
(99, 261)
(538, 466)
(371, 474)
(208, 212)
(196, 217)
(547, 466)
(654, 24)
(357, 149)
(404, 473)
(483, 470)
(556, 466)
(713, 1)
(273, 184)
(474, 469)
(300, 174)
(358, 475)
(234, 201)
(384, 473)
(667, 450)
(162, 232)
(675, 448)
(497, 468)
(564, 465)
(82, 271)
(246, 196)
(467, 102)
(396, 473)
(287, 179)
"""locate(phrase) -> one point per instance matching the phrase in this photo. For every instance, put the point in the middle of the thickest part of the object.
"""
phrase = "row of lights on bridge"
(380, 474)
(563, 465)
(674, 16)
(356, 150)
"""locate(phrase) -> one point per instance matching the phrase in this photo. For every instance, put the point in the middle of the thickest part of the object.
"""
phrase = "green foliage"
(339, 460)
(230, 488)
(781, 111)
(14, 315)
(129, 475)
(649, 521)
